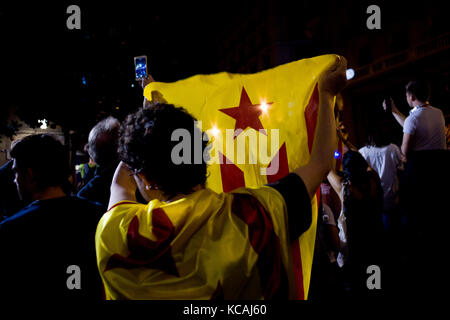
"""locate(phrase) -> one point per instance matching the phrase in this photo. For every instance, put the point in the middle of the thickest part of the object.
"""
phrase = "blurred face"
(410, 99)
(22, 180)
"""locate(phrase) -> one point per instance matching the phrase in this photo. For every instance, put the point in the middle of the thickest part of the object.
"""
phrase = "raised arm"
(336, 182)
(123, 185)
(321, 160)
(143, 83)
(400, 117)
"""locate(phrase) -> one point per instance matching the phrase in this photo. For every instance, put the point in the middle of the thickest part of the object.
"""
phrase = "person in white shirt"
(424, 128)
(423, 193)
(386, 159)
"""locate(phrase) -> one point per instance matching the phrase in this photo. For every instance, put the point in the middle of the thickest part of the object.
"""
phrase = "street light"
(350, 73)
(43, 123)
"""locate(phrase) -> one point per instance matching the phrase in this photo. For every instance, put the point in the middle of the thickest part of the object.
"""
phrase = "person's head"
(146, 146)
(39, 161)
(417, 92)
(354, 167)
(377, 136)
(103, 142)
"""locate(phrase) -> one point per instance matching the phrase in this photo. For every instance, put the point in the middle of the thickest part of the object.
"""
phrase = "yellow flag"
(271, 115)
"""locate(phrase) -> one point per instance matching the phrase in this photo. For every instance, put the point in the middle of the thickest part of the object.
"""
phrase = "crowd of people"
(385, 208)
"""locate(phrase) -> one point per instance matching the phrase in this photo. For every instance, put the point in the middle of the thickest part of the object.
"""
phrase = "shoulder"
(81, 203)
(411, 117)
(265, 195)
(410, 123)
(125, 205)
(97, 182)
(364, 150)
(368, 151)
(437, 112)
(395, 152)
(20, 218)
(435, 109)
(393, 148)
(123, 210)
(73, 210)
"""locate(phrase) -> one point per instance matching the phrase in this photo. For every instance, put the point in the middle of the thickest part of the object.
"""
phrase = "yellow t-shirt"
(203, 246)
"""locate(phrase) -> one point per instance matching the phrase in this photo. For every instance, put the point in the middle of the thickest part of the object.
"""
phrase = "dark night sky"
(42, 62)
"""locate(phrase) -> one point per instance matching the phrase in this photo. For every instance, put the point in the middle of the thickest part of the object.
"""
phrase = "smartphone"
(140, 67)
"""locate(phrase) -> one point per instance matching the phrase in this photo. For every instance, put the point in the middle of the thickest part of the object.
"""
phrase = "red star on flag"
(246, 114)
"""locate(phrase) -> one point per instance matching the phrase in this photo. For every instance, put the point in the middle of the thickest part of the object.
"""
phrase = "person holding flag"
(190, 242)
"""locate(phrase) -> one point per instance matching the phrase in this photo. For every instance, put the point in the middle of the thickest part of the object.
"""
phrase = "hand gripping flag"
(276, 111)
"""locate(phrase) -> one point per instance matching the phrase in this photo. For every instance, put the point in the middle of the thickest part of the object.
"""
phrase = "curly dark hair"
(145, 145)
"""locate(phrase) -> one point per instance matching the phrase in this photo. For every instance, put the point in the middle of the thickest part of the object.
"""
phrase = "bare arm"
(406, 143)
(321, 160)
(400, 117)
(336, 182)
(123, 185)
(143, 83)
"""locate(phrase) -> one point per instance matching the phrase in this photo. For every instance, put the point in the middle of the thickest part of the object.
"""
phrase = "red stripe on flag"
(265, 242)
(232, 176)
(218, 293)
(298, 269)
(283, 167)
(311, 122)
(311, 116)
(297, 259)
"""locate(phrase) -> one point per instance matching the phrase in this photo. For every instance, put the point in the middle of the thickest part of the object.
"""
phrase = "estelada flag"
(272, 115)
(284, 98)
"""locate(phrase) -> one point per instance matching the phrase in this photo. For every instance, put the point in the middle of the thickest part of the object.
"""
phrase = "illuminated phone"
(140, 67)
